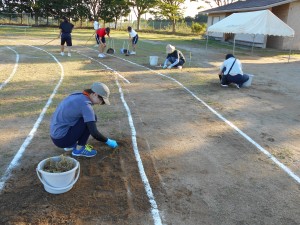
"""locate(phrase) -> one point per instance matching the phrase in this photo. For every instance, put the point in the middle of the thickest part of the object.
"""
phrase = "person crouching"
(175, 58)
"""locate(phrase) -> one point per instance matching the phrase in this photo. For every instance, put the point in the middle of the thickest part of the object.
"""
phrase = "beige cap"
(170, 49)
(102, 90)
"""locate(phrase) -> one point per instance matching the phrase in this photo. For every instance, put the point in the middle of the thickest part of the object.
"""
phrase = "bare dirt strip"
(200, 169)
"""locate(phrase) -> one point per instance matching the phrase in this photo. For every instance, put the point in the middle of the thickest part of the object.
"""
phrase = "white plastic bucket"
(57, 183)
(248, 82)
(153, 60)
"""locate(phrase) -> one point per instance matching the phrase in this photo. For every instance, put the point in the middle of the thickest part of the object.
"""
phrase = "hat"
(102, 90)
(170, 49)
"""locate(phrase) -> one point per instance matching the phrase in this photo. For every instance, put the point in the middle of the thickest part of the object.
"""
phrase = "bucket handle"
(62, 188)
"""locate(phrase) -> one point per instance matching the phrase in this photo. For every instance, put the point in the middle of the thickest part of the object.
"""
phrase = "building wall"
(211, 20)
(293, 22)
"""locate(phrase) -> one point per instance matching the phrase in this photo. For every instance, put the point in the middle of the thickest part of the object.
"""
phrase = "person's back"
(231, 72)
(66, 27)
(101, 32)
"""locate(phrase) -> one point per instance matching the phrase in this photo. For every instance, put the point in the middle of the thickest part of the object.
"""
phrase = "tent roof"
(257, 22)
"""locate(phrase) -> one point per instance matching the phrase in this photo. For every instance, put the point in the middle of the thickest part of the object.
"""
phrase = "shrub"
(198, 28)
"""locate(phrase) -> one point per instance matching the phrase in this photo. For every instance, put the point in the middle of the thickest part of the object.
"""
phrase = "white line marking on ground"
(30, 136)
(14, 70)
(154, 208)
(108, 68)
(148, 189)
(259, 147)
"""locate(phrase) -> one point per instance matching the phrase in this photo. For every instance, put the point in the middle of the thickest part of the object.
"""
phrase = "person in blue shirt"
(74, 120)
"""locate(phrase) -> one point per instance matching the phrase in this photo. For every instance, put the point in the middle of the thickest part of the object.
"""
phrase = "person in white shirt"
(96, 24)
(133, 37)
(96, 27)
(231, 71)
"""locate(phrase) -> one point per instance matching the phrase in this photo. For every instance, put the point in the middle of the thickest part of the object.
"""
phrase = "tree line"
(106, 10)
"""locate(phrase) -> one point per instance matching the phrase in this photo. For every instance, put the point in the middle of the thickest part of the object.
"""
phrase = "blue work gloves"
(111, 143)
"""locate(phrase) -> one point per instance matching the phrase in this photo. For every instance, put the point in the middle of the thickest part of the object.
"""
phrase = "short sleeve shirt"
(96, 25)
(66, 27)
(236, 69)
(68, 112)
(101, 32)
(133, 33)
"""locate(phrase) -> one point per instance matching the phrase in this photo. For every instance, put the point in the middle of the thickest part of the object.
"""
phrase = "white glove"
(169, 67)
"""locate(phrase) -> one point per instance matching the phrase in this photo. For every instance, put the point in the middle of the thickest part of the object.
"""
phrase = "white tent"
(258, 22)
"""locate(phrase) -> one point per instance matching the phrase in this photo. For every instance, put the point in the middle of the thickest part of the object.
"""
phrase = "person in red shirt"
(100, 38)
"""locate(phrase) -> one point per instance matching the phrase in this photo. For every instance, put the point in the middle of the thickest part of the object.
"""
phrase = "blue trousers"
(77, 135)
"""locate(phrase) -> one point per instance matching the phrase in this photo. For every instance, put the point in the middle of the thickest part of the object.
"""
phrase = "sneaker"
(101, 55)
(237, 86)
(70, 148)
(69, 54)
(224, 85)
(96, 45)
(62, 53)
(86, 151)
(179, 67)
(132, 53)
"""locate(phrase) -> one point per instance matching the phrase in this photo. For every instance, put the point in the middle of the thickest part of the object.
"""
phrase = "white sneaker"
(101, 55)
(132, 53)
(62, 53)
(69, 54)
(224, 85)
(237, 86)
(179, 67)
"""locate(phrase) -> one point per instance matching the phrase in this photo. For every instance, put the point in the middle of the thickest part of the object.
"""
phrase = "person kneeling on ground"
(175, 58)
(74, 120)
(231, 72)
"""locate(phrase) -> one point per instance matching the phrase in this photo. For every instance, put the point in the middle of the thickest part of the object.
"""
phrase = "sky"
(191, 8)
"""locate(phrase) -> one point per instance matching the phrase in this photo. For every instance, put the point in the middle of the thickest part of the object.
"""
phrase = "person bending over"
(133, 37)
(175, 58)
(100, 37)
(74, 120)
(231, 71)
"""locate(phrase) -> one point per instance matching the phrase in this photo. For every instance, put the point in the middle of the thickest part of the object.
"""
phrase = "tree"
(140, 7)
(120, 9)
(170, 9)
(200, 18)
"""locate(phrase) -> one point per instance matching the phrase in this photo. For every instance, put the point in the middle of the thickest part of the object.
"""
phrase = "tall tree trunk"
(138, 22)
(174, 26)
(36, 19)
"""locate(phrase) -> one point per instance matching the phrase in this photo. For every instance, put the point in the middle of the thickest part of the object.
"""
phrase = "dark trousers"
(77, 135)
(237, 79)
(173, 59)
